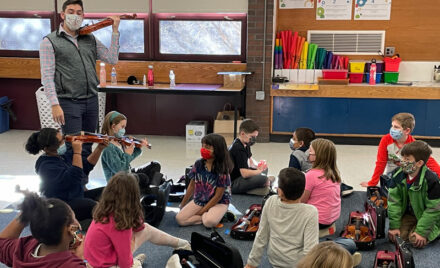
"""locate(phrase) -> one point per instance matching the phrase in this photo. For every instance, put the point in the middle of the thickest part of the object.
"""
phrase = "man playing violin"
(68, 71)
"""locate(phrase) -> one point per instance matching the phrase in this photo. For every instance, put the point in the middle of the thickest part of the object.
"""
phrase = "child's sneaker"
(346, 189)
(138, 260)
(357, 258)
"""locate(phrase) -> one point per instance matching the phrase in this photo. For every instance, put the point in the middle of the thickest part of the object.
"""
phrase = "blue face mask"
(396, 134)
(120, 133)
(62, 149)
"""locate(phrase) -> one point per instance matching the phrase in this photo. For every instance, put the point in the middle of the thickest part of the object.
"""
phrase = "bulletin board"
(413, 29)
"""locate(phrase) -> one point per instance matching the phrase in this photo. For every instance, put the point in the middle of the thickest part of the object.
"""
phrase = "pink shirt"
(105, 246)
(325, 195)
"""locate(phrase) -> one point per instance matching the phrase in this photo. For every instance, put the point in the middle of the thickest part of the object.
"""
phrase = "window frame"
(26, 15)
(157, 17)
(139, 16)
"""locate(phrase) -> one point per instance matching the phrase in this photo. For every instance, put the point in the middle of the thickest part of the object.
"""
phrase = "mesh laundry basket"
(45, 111)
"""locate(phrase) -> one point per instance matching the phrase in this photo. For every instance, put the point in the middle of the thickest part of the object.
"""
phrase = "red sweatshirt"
(386, 155)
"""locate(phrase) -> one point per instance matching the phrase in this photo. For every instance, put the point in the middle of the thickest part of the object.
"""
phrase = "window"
(132, 40)
(21, 35)
(200, 37)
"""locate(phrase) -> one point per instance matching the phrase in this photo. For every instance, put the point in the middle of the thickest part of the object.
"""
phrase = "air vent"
(349, 42)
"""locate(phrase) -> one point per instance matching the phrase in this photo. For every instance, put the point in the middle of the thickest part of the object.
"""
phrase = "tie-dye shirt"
(207, 182)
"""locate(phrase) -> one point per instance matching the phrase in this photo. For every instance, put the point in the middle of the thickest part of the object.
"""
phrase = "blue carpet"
(157, 256)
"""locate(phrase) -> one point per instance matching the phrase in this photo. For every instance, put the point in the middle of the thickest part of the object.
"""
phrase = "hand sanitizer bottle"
(172, 79)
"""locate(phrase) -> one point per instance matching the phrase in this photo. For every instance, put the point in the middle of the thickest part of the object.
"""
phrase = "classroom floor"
(356, 164)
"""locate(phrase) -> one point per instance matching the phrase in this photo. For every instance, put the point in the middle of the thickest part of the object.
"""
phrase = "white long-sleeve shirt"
(289, 230)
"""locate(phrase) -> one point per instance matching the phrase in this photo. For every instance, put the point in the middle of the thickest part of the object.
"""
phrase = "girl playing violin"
(63, 175)
(118, 156)
(210, 184)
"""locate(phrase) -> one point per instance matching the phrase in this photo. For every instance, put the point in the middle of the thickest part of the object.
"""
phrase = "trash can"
(4, 114)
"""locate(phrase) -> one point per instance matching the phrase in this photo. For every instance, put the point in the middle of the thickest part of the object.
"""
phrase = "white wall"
(27, 5)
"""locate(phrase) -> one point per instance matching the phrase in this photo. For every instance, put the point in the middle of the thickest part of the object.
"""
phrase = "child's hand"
(76, 146)
(262, 165)
(129, 149)
(417, 240)
(393, 233)
(364, 184)
(145, 143)
(103, 144)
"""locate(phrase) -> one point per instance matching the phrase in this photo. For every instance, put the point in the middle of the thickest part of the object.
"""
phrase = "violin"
(358, 231)
(378, 200)
(88, 137)
(102, 24)
(250, 223)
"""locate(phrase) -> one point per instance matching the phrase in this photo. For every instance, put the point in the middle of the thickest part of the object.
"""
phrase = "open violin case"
(210, 253)
(155, 202)
(401, 258)
(247, 226)
(361, 229)
(377, 204)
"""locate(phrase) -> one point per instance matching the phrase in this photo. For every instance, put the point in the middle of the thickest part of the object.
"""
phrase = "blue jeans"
(346, 243)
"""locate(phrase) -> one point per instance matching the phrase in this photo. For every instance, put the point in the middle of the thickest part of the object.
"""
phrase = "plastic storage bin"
(356, 77)
(391, 77)
(379, 67)
(4, 116)
(357, 66)
(392, 65)
(334, 74)
(378, 77)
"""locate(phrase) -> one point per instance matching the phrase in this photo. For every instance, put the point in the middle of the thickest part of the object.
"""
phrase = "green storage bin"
(391, 77)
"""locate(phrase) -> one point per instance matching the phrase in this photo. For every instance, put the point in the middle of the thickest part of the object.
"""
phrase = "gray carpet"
(158, 256)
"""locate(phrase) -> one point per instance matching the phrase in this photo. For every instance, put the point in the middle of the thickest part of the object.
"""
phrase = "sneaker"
(346, 189)
(138, 260)
(357, 258)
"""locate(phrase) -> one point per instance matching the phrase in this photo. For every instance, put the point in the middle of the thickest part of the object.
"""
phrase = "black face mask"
(252, 141)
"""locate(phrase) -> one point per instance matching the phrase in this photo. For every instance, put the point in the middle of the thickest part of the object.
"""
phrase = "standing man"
(68, 71)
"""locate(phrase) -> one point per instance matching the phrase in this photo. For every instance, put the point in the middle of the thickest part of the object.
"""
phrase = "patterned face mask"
(73, 21)
(408, 167)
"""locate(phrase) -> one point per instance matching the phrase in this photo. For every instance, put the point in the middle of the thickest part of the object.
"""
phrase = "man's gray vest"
(75, 71)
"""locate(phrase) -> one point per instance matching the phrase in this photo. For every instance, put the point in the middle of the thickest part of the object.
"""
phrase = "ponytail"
(46, 217)
(45, 138)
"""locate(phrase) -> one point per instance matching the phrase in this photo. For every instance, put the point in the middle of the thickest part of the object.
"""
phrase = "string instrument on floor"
(247, 226)
(88, 137)
(358, 231)
(102, 24)
(378, 199)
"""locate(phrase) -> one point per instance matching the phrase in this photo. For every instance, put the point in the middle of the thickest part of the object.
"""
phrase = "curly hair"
(121, 200)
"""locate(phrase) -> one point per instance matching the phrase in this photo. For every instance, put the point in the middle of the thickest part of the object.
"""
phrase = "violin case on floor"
(361, 229)
(210, 253)
(247, 226)
(177, 191)
(377, 204)
(401, 258)
(154, 203)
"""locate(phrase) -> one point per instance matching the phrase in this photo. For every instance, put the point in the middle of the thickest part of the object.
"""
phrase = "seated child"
(300, 143)
(118, 228)
(287, 226)
(414, 197)
(117, 157)
(327, 254)
(210, 185)
(323, 182)
(53, 227)
(388, 153)
(246, 176)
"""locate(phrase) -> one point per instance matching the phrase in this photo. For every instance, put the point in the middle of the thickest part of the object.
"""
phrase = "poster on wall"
(291, 4)
(334, 9)
(372, 10)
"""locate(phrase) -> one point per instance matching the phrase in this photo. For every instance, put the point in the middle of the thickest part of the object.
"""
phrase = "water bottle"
(172, 79)
(114, 80)
(150, 76)
(372, 72)
(102, 76)
(144, 81)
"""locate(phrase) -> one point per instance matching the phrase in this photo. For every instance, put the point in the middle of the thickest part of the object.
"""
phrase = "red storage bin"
(392, 65)
(334, 74)
(356, 77)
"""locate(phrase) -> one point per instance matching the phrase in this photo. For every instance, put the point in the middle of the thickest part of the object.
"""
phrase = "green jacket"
(114, 160)
(424, 195)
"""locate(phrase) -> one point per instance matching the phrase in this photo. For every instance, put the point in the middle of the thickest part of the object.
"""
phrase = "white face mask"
(73, 21)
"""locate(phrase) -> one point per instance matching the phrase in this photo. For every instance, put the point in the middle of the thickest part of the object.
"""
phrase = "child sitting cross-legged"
(414, 197)
(299, 144)
(287, 226)
(118, 228)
